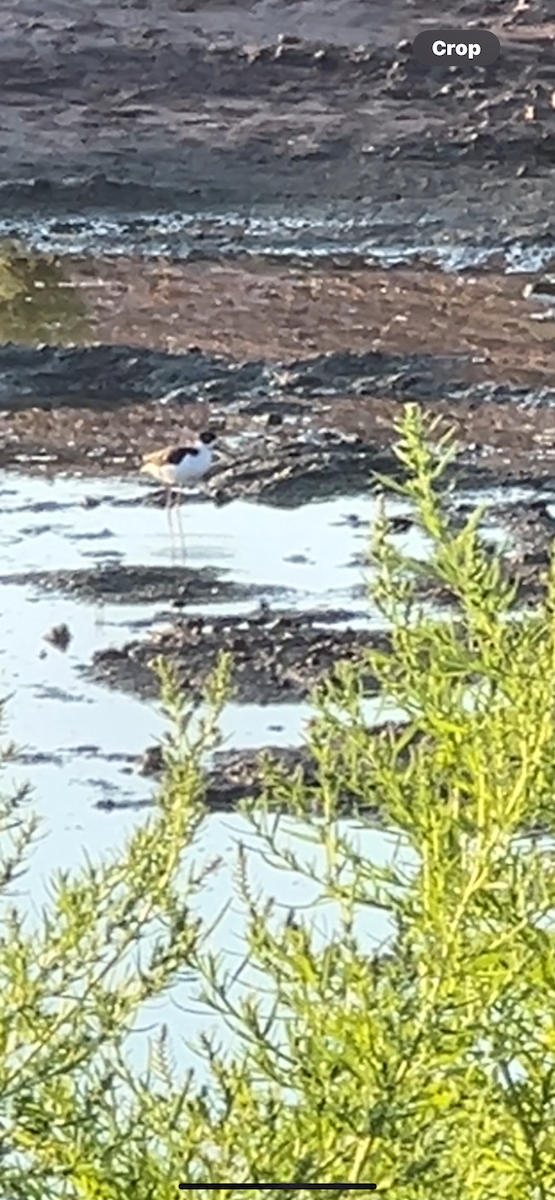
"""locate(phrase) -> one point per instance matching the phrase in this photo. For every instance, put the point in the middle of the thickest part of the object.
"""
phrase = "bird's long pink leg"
(168, 507)
(180, 523)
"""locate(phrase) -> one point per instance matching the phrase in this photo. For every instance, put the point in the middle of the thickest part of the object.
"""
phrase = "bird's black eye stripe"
(179, 453)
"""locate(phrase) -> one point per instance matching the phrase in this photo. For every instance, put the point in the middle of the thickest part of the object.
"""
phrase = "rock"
(59, 636)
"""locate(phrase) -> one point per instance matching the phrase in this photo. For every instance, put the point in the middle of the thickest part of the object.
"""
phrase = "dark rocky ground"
(189, 103)
(174, 586)
(277, 657)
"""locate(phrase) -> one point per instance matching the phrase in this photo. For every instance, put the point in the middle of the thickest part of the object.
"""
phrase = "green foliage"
(426, 1066)
(38, 304)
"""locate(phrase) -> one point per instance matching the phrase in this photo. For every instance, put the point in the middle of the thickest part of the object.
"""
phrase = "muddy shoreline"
(195, 106)
(276, 210)
(290, 453)
(302, 372)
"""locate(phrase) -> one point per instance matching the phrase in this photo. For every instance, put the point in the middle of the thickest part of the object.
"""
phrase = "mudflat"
(273, 211)
(183, 103)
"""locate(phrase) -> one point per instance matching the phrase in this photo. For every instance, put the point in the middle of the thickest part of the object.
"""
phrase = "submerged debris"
(151, 761)
(59, 636)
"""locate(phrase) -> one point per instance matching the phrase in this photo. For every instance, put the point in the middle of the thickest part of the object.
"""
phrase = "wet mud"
(198, 105)
(469, 347)
(277, 658)
(120, 583)
(236, 775)
(324, 447)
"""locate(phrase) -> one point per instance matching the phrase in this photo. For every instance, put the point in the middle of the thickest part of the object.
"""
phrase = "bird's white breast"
(192, 466)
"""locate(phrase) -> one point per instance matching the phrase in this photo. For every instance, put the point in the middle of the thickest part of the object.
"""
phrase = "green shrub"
(428, 1069)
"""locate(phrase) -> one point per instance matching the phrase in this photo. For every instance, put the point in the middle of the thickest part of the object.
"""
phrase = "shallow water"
(77, 736)
(47, 526)
(387, 235)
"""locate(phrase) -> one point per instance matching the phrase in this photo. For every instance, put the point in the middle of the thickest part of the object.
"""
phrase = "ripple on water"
(373, 236)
